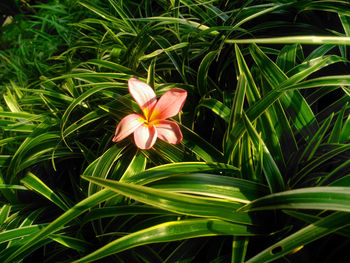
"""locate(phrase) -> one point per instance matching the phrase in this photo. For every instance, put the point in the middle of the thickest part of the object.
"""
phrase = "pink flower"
(153, 124)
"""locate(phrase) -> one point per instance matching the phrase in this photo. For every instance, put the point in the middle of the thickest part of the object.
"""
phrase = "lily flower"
(153, 123)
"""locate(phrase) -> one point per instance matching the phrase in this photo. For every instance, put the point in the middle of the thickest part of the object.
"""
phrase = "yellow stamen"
(155, 115)
(146, 113)
(155, 123)
(148, 124)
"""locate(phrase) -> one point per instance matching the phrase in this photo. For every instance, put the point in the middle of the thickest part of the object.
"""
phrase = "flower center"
(155, 115)
(146, 112)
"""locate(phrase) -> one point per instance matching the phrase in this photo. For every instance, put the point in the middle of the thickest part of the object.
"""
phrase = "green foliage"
(262, 172)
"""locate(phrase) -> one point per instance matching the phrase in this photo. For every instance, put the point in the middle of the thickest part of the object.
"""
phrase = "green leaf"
(71, 242)
(59, 223)
(239, 249)
(334, 137)
(272, 173)
(327, 5)
(12, 186)
(83, 121)
(322, 82)
(104, 195)
(293, 102)
(312, 219)
(345, 132)
(125, 23)
(34, 183)
(104, 165)
(22, 116)
(89, 76)
(8, 235)
(314, 231)
(252, 91)
(310, 40)
(62, 97)
(11, 102)
(164, 171)
(192, 25)
(168, 152)
(7, 193)
(160, 51)
(137, 165)
(178, 203)
(286, 58)
(250, 159)
(319, 52)
(253, 113)
(151, 73)
(316, 140)
(124, 13)
(174, 58)
(32, 217)
(202, 74)
(276, 135)
(199, 146)
(212, 185)
(114, 211)
(169, 231)
(343, 181)
(76, 102)
(25, 154)
(111, 65)
(327, 198)
(4, 213)
(217, 107)
(301, 71)
(236, 110)
(310, 166)
(201, 12)
(345, 23)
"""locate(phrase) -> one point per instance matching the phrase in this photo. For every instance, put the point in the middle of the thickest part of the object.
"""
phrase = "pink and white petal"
(127, 125)
(169, 104)
(169, 131)
(145, 136)
(143, 94)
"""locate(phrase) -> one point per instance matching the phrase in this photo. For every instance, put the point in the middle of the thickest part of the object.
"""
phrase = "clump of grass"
(261, 173)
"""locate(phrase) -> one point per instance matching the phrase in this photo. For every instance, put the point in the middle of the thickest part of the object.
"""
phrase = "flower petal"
(169, 131)
(127, 125)
(169, 104)
(145, 136)
(143, 94)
